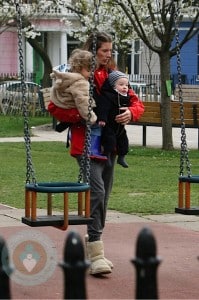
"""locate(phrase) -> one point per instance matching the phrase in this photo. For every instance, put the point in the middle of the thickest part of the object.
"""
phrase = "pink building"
(8, 52)
(53, 34)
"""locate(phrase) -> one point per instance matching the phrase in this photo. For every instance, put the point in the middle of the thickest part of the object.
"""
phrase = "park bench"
(152, 113)
(152, 116)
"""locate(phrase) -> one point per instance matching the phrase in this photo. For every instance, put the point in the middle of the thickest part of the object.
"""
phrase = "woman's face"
(104, 54)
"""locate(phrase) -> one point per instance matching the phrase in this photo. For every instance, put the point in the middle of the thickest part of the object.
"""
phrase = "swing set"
(33, 188)
(184, 181)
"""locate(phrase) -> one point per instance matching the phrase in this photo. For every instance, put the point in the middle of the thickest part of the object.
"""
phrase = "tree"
(7, 11)
(158, 18)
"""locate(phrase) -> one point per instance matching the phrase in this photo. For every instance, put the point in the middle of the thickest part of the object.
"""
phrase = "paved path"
(154, 136)
(10, 217)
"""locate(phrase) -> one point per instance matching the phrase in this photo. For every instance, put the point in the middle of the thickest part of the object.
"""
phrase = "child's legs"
(122, 143)
(108, 140)
(64, 115)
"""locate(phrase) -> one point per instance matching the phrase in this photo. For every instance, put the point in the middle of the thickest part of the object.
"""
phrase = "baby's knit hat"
(114, 76)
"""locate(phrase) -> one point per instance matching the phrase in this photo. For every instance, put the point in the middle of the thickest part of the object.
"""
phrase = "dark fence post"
(146, 264)
(74, 267)
(5, 271)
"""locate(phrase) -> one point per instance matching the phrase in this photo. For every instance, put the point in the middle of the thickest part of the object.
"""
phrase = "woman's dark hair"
(101, 37)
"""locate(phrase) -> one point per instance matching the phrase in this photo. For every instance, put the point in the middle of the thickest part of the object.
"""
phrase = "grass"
(13, 126)
(148, 186)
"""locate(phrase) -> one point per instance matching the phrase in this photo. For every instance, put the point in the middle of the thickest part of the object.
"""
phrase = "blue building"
(189, 56)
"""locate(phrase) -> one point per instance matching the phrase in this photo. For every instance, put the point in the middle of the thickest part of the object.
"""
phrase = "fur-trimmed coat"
(71, 90)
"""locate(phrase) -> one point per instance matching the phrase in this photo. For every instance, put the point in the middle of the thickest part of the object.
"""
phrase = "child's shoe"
(121, 161)
(62, 126)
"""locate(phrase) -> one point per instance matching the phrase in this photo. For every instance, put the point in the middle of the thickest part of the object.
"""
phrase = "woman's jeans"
(101, 181)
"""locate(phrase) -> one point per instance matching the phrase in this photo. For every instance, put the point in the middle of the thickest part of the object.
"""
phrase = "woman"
(101, 173)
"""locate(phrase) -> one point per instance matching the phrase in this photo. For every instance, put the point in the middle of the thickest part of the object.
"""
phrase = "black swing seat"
(56, 221)
(60, 221)
(184, 195)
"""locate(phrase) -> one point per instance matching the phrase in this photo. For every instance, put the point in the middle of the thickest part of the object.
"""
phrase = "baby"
(114, 96)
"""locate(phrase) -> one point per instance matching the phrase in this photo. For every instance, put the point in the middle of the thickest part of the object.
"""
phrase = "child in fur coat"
(71, 102)
(70, 90)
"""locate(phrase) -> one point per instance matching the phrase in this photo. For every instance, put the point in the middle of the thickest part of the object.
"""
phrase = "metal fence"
(16, 76)
(11, 96)
(146, 86)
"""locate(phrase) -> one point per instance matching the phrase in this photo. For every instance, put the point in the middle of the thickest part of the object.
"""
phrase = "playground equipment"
(33, 188)
(184, 181)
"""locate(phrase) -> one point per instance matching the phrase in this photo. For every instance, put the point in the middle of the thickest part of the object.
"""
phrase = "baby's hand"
(101, 123)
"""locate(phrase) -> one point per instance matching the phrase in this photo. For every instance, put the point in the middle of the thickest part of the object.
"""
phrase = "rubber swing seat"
(184, 195)
(63, 220)
(58, 187)
(192, 178)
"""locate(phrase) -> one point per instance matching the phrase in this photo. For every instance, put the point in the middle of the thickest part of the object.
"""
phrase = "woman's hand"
(125, 117)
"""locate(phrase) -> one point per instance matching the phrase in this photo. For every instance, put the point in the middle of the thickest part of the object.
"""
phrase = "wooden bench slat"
(190, 93)
(152, 113)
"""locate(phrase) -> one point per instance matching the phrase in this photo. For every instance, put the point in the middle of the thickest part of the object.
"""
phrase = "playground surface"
(177, 239)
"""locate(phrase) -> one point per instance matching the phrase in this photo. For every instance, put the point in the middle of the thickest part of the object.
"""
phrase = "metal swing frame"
(33, 188)
(184, 181)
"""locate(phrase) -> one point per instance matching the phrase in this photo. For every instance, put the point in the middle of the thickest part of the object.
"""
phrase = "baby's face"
(122, 85)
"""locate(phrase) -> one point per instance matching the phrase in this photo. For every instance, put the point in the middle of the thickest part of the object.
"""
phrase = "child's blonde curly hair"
(80, 59)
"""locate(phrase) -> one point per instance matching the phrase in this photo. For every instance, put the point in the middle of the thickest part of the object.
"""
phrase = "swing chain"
(85, 161)
(29, 166)
(184, 158)
(96, 14)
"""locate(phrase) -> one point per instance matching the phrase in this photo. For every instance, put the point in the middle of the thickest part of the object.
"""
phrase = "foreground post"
(5, 271)
(74, 267)
(146, 264)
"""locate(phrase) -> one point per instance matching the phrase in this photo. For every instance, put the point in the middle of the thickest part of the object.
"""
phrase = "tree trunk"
(122, 60)
(46, 80)
(167, 140)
